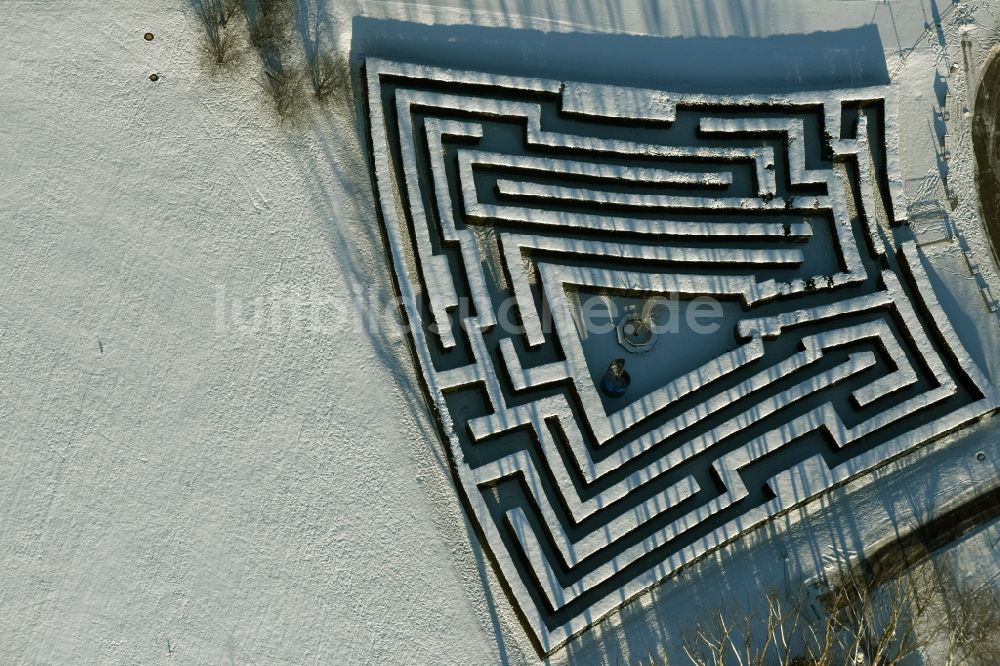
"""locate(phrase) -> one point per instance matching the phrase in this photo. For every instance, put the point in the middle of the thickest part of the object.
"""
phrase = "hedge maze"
(511, 205)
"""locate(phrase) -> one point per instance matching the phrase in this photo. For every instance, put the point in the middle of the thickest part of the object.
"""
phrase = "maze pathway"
(510, 204)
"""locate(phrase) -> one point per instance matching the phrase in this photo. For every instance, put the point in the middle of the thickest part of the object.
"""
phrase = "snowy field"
(216, 443)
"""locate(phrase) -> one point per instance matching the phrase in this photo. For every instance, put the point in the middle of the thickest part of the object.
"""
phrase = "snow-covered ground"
(211, 453)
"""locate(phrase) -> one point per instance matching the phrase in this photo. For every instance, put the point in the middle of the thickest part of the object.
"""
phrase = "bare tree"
(330, 75)
(284, 84)
(872, 621)
(858, 622)
(331, 79)
(730, 637)
(269, 22)
(214, 16)
(865, 619)
(971, 616)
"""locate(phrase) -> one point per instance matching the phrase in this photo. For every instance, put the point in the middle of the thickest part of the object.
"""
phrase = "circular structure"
(148, 36)
(981, 456)
(635, 331)
(154, 77)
